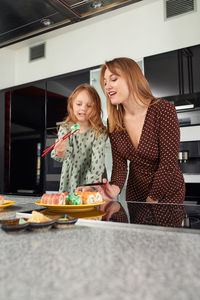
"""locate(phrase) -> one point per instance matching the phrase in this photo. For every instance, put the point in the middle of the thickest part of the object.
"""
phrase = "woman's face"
(116, 87)
(82, 106)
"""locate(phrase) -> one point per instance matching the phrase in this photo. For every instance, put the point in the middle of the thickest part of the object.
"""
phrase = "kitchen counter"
(99, 260)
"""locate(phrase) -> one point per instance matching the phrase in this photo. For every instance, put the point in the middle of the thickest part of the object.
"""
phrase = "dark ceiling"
(23, 19)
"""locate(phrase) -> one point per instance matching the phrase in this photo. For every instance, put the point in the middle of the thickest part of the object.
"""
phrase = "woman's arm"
(115, 211)
(169, 142)
(112, 208)
(108, 192)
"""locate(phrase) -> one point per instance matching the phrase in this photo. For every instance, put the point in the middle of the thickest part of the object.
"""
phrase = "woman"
(145, 131)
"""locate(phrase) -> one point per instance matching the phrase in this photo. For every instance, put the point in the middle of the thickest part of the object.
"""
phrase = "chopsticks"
(96, 183)
(63, 138)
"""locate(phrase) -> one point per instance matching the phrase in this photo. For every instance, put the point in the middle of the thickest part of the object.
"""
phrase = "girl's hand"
(60, 148)
(107, 191)
(110, 208)
(150, 200)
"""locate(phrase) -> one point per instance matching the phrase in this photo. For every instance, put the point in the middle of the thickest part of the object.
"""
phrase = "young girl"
(81, 154)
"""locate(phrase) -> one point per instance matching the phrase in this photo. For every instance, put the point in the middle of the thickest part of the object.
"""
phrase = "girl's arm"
(62, 151)
(97, 165)
(169, 142)
(119, 173)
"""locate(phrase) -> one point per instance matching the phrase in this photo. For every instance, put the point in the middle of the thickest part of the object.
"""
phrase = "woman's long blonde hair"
(95, 118)
(138, 86)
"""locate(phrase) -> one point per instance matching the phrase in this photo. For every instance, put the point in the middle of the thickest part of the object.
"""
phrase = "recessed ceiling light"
(97, 4)
(46, 21)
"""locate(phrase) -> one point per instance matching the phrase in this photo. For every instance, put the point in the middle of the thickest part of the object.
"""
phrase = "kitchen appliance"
(189, 157)
(192, 216)
(188, 116)
(189, 163)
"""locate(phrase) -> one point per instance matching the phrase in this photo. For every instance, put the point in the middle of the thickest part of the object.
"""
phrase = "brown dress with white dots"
(153, 169)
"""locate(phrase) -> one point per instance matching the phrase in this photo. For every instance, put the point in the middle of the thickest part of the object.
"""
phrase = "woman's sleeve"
(61, 132)
(97, 165)
(169, 143)
(119, 168)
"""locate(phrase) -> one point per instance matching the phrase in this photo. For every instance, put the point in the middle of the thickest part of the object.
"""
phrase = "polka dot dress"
(153, 169)
(84, 161)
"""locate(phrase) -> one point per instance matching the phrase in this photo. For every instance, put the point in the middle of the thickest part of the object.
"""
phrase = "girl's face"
(116, 87)
(82, 106)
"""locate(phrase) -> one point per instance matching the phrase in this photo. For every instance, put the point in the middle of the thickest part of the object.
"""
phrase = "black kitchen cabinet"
(174, 73)
(2, 139)
(30, 116)
(196, 68)
(26, 139)
(162, 73)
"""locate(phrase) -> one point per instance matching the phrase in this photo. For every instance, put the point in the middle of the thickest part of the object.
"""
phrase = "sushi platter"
(93, 213)
(60, 210)
(70, 208)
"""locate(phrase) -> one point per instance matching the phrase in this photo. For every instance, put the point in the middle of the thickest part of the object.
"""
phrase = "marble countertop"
(99, 260)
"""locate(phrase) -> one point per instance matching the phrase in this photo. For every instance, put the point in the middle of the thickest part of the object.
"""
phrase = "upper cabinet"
(196, 68)
(174, 73)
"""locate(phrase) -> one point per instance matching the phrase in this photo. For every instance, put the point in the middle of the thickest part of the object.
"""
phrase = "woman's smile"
(112, 94)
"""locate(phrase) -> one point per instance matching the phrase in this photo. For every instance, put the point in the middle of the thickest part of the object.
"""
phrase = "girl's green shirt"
(84, 161)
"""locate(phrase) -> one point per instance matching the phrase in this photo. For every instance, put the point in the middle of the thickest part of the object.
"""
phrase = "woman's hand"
(60, 148)
(150, 200)
(110, 208)
(85, 189)
(107, 191)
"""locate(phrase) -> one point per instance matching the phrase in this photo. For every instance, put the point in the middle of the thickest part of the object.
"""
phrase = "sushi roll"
(90, 197)
(54, 199)
(63, 198)
(73, 199)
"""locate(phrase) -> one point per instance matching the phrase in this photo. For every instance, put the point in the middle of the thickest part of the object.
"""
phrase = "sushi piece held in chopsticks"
(75, 127)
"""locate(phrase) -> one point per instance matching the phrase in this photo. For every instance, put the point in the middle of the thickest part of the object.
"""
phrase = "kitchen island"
(99, 260)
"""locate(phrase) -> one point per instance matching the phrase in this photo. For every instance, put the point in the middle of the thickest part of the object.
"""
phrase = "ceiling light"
(97, 4)
(46, 21)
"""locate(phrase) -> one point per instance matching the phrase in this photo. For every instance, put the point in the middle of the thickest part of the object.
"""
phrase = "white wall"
(136, 31)
(7, 67)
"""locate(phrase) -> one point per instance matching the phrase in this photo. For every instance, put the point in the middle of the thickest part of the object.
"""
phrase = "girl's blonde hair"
(138, 86)
(95, 118)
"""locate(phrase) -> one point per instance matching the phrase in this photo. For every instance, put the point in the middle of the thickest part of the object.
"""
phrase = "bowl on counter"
(65, 222)
(14, 226)
(42, 226)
